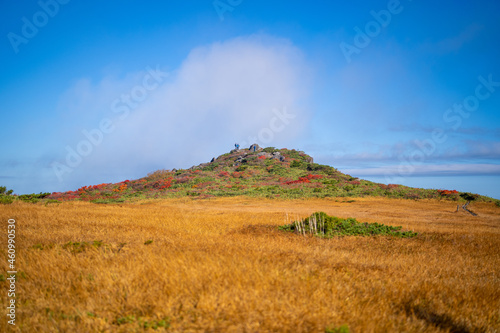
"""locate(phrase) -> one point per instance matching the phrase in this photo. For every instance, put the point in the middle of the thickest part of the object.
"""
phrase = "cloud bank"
(241, 90)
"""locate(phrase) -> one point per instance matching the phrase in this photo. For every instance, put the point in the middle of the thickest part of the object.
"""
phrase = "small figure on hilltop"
(237, 146)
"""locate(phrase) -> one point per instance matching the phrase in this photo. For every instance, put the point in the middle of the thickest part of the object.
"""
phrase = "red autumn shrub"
(448, 193)
(161, 184)
(305, 179)
(121, 188)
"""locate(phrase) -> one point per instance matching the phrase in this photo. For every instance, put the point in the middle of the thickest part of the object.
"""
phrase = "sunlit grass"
(222, 265)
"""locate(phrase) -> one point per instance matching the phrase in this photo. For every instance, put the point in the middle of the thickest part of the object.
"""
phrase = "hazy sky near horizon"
(393, 91)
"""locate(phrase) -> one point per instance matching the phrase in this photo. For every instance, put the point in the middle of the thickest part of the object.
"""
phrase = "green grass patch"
(340, 329)
(78, 247)
(108, 201)
(143, 323)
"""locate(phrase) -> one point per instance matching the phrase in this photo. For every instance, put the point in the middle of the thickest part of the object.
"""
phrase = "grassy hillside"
(268, 172)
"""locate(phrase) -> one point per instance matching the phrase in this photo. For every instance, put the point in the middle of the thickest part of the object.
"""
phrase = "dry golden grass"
(221, 265)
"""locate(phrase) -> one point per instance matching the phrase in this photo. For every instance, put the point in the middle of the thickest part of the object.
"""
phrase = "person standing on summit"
(237, 146)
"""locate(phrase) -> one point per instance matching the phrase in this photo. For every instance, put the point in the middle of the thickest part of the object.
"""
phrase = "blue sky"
(392, 91)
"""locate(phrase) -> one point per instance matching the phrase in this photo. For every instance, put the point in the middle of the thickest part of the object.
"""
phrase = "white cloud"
(221, 94)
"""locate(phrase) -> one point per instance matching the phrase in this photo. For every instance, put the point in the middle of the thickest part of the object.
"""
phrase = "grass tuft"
(340, 329)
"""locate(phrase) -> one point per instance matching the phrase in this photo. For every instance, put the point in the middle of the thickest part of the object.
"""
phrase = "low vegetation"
(322, 225)
(6, 197)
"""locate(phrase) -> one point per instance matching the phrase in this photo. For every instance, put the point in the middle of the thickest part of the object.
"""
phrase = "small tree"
(5, 197)
(3, 191)
(468, 197)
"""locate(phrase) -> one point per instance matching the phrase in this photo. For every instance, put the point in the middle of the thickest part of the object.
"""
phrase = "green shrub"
(294, 154)
(348, 188)
(210, 167)
(5, 196)
(3, 189)
(321, 168)
(29, 199)
(313, 167)
(269, 150)
(241, 168)
(6, 199)
(33, 198)
(322, 225)
(468, 196)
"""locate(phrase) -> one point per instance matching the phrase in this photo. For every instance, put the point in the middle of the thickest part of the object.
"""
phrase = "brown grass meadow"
(221, 265)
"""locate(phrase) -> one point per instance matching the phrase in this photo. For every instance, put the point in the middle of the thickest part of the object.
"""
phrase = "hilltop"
(263, 172)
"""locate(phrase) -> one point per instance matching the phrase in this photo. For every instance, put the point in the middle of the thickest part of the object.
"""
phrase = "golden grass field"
(221, 265)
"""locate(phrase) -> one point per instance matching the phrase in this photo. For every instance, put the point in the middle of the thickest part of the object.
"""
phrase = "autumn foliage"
(305, 179)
